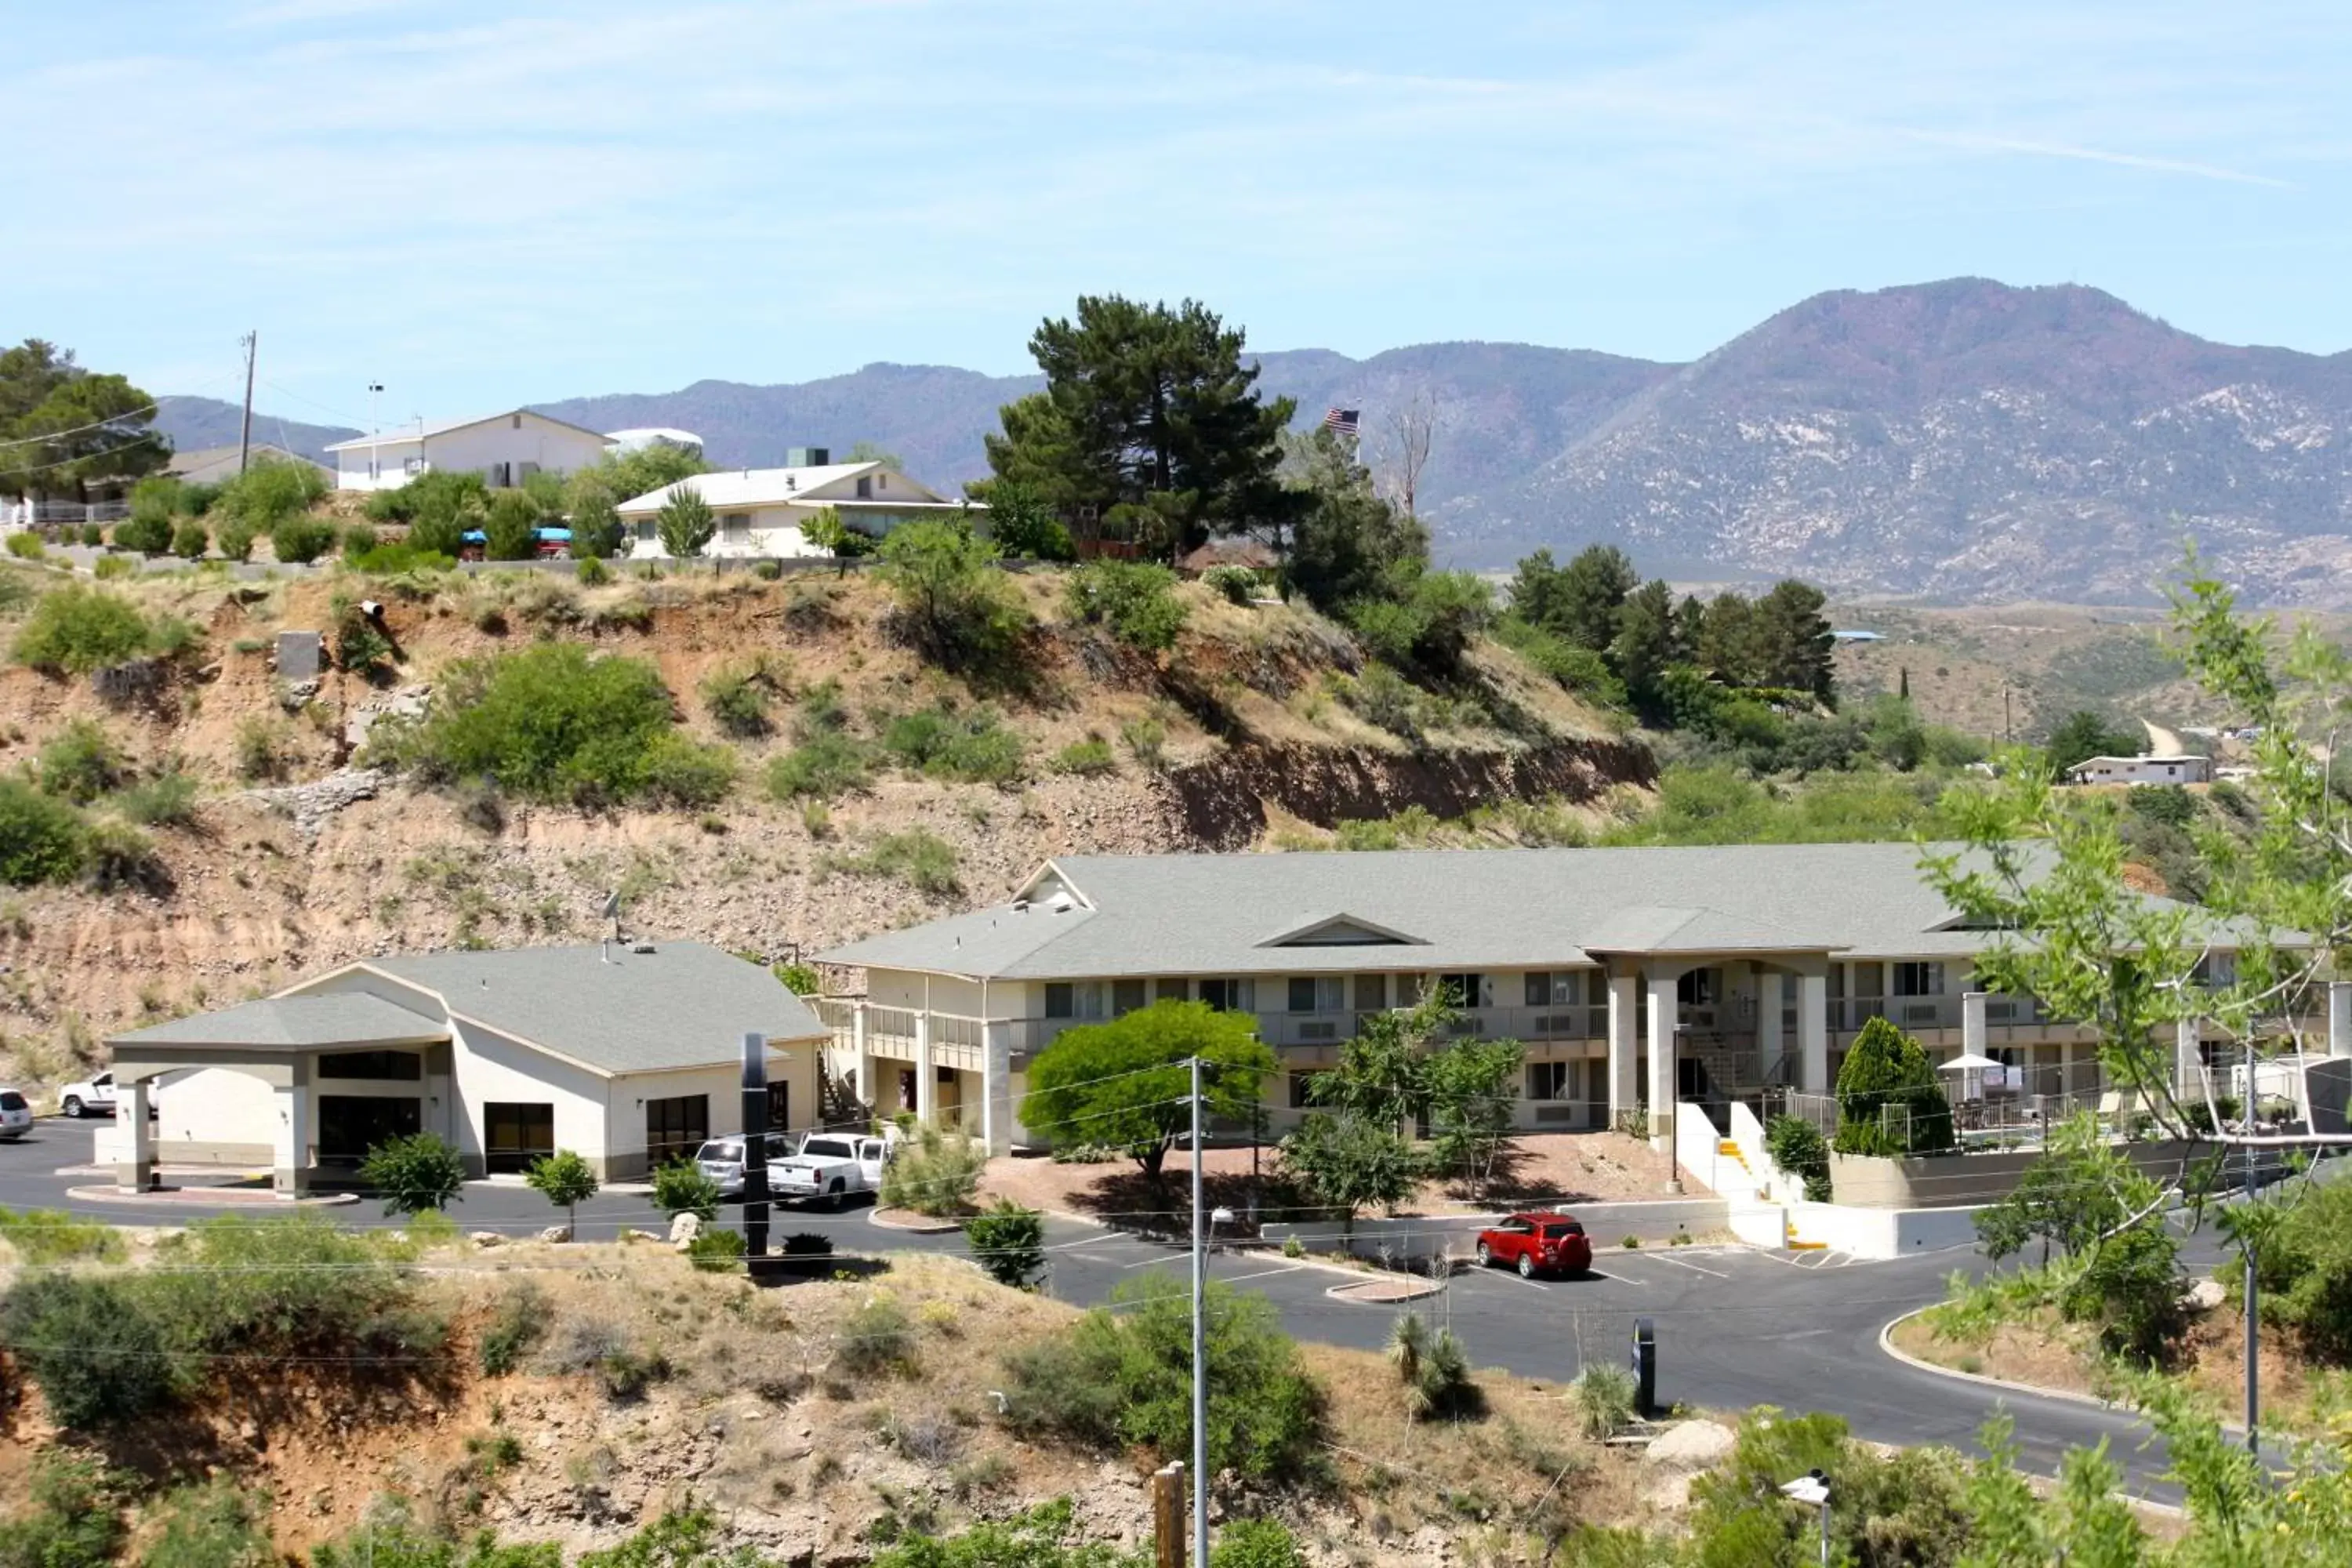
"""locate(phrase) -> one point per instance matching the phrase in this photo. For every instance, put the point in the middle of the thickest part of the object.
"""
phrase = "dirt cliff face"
(1234, 740)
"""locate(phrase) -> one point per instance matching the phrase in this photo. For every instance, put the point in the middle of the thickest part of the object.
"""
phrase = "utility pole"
(375, 431)
(252, 341)
(1200, 1346)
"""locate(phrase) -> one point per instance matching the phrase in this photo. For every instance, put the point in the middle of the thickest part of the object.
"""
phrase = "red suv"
(1537, 1242)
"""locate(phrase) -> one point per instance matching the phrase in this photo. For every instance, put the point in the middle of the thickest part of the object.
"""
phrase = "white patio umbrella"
(1969, 1062)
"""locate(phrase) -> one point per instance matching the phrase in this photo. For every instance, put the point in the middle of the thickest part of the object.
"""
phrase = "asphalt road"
(1735, 1327)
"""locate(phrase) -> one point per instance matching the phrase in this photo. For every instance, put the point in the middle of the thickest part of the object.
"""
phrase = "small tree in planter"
(415, 1173)
(681, 1187)
(1887, 1069)
(566, 1179)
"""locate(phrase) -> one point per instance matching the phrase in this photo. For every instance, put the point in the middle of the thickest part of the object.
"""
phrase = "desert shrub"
(117, 855)
(154, 502)
(876, 1339)
(269, 492)
(515, 1326)
(800, 979)
(1426, 622)
(1798, 1147)
(439, 507)
(953, 606)
(75, 629)
(1906, 1508)
(41, 837)
(969, 747)
(114, 568)
(1009, 1242)
(1121, 1377)
(681, 1187)
(53, 1236)
(824, 768)
(510, 530)
(81, 762)
(74, 1520)
(261, 748)
(166, 799)
(356, 539)
(93, 1344)
(190, 539)
(1146, 739)
(917, 857)
(361, 647)
(1255, 1542)
(766, 570)
(1434, 1369)
(234, 537)
(216, 1524)
(1604, 1395)
(737, 697)
(549, 722)
(93, 535)
(715, 1252)
(300, 540)
(691, 777)
(415, 1173)
(391, 560)
(808, 1244)
(1135, 601)
(1383, 697)
(934, 1172)
(591, 572)
(1088, 758)
(1237, 585)
(25, 545)
(1572, 666)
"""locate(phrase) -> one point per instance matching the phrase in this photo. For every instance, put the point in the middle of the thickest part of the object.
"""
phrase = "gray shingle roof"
(1212, 914)
(683, 1005)
(296, 1023)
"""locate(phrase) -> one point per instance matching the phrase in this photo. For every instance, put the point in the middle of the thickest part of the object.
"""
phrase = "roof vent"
(1020, 906)
(1060, 903)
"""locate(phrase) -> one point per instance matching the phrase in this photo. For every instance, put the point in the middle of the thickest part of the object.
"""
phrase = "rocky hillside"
(298, 856)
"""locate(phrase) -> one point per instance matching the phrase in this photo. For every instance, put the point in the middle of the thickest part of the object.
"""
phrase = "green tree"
(1347, 545)
(1645, 645)
(565, 1180)
(2069, 1199)
(439, 508)
(1728, 643)
(873, 452)
(1135, 600)
(1350, 1162)
(681, 1187)
(596, 531)
(1125, 1082)
(684, 523)
(1009, 1242)
(510, 532)
(1793, 642)
(828, 532)
(413, 1173)
(1888, 1099)
(1578, 603)
(2082, 735)
(190, 540)
(155, 501)
(1023, 522)
(64, 428)
(1473, 1091)
(1145, 406)
(952, 603)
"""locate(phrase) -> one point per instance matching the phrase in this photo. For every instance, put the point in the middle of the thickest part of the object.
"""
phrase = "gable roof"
(206, 464)
(354, 1018)
(782, 486)
(1210, 914)
(685, 1004)
(399, 433)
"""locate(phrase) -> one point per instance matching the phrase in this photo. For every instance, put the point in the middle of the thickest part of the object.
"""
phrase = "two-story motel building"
(1633, 975)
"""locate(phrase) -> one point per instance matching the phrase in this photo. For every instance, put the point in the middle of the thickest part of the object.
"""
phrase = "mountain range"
(1963, 441)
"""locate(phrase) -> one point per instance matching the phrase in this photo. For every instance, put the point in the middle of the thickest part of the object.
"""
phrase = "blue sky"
(480, 204)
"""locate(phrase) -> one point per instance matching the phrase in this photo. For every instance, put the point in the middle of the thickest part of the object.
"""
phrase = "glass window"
(516, 1135)
(1555, 988)
(1918, 979)
(1061, 999)
(1311, 993)
(735, 528)
(1127, 995)
(1699, 987)
(780, 1105)
(1230, 995)
(675, 1128)
(1547, 1080)
(1371, 993)
(397, 1067)
(1465, 990)
(1169, 990)
(1299, 1098)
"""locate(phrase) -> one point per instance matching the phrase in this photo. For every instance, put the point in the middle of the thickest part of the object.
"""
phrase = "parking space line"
(1261, 1274)
(1621, 1279)
(1685, 1263)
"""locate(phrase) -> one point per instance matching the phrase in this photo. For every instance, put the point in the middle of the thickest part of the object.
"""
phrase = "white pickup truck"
(829, 1167)
(95, 1097)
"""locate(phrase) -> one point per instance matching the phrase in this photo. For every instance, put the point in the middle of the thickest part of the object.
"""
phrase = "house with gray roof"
(627, 1054)
(1635, 977)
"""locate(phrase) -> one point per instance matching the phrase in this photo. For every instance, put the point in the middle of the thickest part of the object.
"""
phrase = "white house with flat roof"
(627, 1054)
(759, 510)
(504, 449)
(1635, 977)
(2182, 769)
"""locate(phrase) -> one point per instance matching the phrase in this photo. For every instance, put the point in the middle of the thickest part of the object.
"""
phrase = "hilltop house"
(504, 449)
(1635, 976)
(626, 1054)
(2184, 769)
(760, 509)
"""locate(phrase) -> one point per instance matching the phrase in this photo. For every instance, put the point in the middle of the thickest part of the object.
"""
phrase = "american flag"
(1343, 421)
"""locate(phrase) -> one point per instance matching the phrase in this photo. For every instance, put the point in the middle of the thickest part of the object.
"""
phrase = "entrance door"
(515, 1134)
(780, 1107)
(352, 1124)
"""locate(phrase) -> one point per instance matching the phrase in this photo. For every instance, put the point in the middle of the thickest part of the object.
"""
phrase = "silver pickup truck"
(829, 1167)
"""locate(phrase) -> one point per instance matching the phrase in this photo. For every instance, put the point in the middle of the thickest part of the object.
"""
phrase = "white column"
(290, 1172)
(1665, 1004)
(2189, 1062)
(927, 1077)
(1972, 1023)
(996, 1088)
(1814, 1032)
(867, 1090)
(135, 1135)
(1768, 1018)
(1625, 1089)
(2339, 1018)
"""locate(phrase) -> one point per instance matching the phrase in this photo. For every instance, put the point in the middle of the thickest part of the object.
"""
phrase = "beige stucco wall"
(1953, 1181)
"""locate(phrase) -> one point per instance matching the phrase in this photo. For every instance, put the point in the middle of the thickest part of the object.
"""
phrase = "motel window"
(865, 489)
(1371, 993)
(645, 531)
(1555, 988)
(516, 1135)
(1918, 980)
(1074, 999)
(1230, 995)
(1169, 990)
(1547, 1080)
(1301, 1098)
(676, 1127)
(1465, 990)
(389, 1066)
(1317, 994)
(1699, 987)
(735, 528)
(2216, 969)
(1127, 995)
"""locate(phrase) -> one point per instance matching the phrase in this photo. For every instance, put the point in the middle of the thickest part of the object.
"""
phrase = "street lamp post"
(375, 434)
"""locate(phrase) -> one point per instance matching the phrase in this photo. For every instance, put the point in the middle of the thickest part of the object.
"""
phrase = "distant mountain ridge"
(1960, 440)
